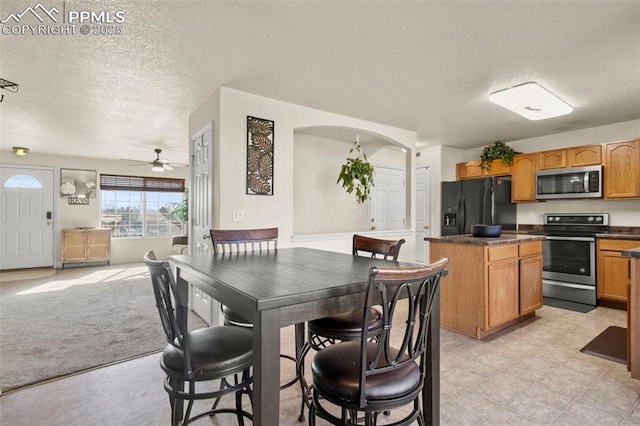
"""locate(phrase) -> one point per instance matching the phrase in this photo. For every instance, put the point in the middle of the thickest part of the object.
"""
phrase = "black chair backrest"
(387, 249)
(167, 299)
(239, 240)
(388, 286)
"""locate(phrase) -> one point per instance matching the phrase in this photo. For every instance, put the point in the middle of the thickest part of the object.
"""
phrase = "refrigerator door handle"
(463, 216)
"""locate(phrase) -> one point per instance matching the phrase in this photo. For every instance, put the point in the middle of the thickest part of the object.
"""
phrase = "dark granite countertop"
(614, 236)
(632, 253)
(505, 238)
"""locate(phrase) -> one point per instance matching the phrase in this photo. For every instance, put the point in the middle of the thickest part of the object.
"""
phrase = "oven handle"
(571, 238)
(586, 182)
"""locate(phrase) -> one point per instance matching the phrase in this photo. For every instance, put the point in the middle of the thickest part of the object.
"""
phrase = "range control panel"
(576, 219)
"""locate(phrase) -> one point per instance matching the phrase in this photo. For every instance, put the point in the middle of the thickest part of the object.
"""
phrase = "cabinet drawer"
(507, 251)
(617, 245)
(529, 249)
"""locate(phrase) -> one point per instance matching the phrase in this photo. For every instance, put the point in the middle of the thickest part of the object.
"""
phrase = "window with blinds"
(139, 207)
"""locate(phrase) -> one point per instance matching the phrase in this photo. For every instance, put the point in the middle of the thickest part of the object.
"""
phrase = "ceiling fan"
(157, 165)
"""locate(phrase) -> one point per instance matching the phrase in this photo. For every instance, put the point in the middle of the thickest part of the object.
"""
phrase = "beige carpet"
(76, 320)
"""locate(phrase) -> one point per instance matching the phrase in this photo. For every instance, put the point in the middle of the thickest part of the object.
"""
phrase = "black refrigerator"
(477, 201)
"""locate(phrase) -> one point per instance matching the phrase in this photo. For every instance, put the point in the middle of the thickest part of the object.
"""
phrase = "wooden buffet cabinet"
(82, 245)
(492, 284)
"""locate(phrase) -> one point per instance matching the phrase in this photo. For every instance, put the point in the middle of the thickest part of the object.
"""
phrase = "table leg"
(431, 390)
(266, 369)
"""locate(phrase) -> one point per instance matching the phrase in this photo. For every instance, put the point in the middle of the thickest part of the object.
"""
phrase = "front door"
(26, 218)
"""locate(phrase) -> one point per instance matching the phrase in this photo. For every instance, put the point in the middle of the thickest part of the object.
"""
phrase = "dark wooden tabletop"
(296, 276)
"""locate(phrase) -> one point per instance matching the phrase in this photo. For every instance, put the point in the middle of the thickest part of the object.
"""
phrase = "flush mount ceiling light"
(531, 101)
(18, 150)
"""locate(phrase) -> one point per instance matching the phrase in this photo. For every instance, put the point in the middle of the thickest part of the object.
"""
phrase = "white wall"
(123, 250)
(231, 138)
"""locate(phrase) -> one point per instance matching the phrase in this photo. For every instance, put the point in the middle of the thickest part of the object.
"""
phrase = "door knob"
(426, 226)
(48, 223)
(206, 236)
(373, 228)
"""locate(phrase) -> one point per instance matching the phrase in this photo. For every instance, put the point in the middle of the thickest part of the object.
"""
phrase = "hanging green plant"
(497, 151)
(357, 174)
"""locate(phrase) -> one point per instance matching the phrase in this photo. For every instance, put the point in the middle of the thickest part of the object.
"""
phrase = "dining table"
(289, 286)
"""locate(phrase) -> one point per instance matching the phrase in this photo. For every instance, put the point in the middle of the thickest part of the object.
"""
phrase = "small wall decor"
(259, 156)
(78, 184)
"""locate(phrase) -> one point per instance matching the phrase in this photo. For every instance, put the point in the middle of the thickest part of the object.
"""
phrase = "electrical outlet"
(237, 215)
(529, 215)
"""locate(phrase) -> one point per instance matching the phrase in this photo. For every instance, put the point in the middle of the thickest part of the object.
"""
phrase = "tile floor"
(533, 374)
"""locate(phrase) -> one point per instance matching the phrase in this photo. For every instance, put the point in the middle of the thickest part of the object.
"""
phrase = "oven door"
(569, 259)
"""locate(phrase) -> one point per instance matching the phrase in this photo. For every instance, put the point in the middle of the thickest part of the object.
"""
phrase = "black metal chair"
(348, 326)
(229, 241)
(370, 377)
(193, 359)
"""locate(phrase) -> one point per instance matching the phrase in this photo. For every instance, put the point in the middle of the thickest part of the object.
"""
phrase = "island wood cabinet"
(614, 269)
(80, 245)
(523, 177)
(472, 169)
(622, 169)
(489, 287)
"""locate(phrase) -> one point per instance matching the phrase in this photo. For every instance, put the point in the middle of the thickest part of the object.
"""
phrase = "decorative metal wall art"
(78, 184)
(259, 156)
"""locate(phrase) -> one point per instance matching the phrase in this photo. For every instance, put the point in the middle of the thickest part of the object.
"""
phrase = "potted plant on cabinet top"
(357, 173)
(497, 151)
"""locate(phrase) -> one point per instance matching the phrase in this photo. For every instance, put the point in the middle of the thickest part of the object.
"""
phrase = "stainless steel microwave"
(576, 182)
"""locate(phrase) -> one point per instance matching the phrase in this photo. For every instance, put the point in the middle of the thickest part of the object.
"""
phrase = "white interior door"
(201, 216)
(387, 206)
(423, 213)
(26, 218)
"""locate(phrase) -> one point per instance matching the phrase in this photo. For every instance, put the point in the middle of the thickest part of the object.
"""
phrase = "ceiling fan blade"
(167, 166)
(134, 161)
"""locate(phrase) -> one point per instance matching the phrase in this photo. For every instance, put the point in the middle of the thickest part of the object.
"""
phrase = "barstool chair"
(372, 377)
(348, 326)
(232, 241)
(194, 357)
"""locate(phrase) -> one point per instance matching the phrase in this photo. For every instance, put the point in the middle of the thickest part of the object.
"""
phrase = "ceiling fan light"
(20, 151)
(531, 101)
(157, 168)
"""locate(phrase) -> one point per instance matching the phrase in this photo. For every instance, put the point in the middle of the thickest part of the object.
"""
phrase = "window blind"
(140, 183)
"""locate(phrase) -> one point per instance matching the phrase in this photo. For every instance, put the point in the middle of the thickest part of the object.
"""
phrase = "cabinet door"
(622, 169)
(498, 168)
(615, 275)
(73, 246)
(555, 159)
(98, 244)
(468, 170)
(502, 286)
(587, 155)
(523, 177)
(530, 284)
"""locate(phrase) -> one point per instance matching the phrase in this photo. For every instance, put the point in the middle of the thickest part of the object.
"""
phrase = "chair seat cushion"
(216, 352)
(335, 373)
(349, 322)
(231, 317)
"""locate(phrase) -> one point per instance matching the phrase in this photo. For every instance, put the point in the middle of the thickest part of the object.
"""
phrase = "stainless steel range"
(569, 255)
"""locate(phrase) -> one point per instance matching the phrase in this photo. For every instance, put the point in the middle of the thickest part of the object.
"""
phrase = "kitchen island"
(633, 313)
(493, 283)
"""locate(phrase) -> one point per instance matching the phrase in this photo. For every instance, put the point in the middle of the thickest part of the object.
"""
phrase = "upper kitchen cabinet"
(587, 155)
(469, 170)
(473, 169)
(555, 159)
(523, 177)
(622, 169)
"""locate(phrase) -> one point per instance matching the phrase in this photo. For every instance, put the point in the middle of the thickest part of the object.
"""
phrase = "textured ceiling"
(423, 66)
